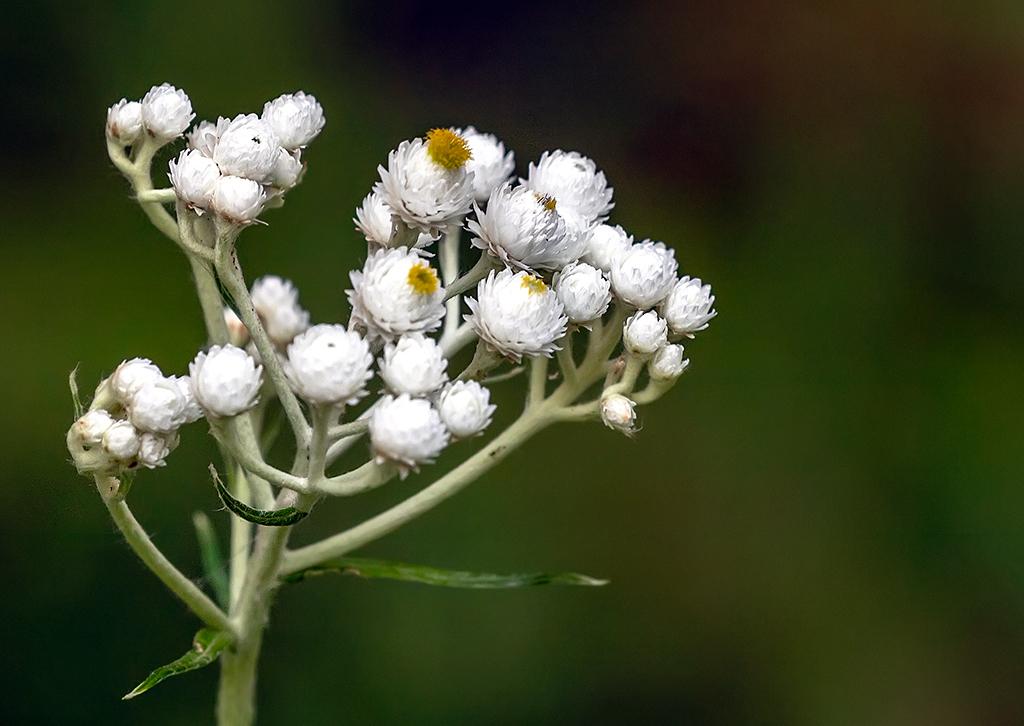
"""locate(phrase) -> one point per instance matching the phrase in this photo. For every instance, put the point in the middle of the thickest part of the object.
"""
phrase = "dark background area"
(822, 524)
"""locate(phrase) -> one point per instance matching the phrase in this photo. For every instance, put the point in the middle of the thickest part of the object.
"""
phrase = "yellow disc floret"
(546, 200)
(447, 149)
(534, 285)
(423, 279)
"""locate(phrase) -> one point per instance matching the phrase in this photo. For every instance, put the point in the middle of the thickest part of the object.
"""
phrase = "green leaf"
(75, 398)
(213, 562)
(361, 567)
(267, 517)
(206, 646)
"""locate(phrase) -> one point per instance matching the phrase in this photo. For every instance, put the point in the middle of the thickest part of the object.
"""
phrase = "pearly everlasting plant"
(383, 393)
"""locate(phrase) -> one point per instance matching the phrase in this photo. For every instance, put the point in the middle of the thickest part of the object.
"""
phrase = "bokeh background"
(822, 524)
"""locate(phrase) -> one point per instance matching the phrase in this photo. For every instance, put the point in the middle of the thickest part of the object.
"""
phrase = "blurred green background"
(821, 525)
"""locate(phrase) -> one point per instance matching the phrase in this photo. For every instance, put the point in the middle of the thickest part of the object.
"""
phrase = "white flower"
(465, 408)
(193, 411)
(155, 448)
(619, 413)
(247, 147)
(194, 177)
(277, 303)
(668, 363)
(397, 292)
(121, 441)
(605, 244)
(426, 183)
(584, 292)
(574, 182)
(158, 407)
(132, 375)
(644, 274)
(490, 165)
(374, 219)
(238, 334)
(329, 364)
(124, 121)
(296, 118)
(91, 426)
(205, 135)
(525, 230)
(287, 170)
(517, 315)
(225, 380)
(166, 112)
(414, 365)
(238, 200)
(644, 333)
(689, 306)
(407, 431)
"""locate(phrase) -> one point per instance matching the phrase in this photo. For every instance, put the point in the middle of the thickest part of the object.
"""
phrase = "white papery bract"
(584, 292)
(276, 301)
(287, 170)
(644, 274)
(166, 112)
(406, 431)
(644, 333)
(605, 244)
(517, 315)
(238, 334)
(121, 441)
(575, 183)
(155, 448)
(465, 408)
(619, 413)
(205, 135)
(247, 147)
(132, 375)
(296, 118)
(238, 200)
(225, 380)
(329, 364)
(668, 363)
(92, 425)
(158, 407)
(397, 292)
(489, 163)
(193, 411)
(524, 229)
(414, 365)
(689, 306)
(194, 177)
(425, 192)
(373, 219)
(124, 122)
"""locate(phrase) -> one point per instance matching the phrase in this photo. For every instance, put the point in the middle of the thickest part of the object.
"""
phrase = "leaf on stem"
(206, 646)
(213, 561)
(382, 569)
(267, 517)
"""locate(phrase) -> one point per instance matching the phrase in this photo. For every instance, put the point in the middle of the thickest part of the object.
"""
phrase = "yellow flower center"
(447, 149)
(422, 279)
(534, 285)
(547, 201)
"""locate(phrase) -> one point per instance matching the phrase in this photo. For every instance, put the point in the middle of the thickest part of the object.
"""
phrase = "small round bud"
(605, 244)
(158, 407)
(277, 304)
(414, 365)
(619, 413)
(166, 112)
(132, 375)
(247, 148)
(121, 441)
(287, 170)
(192, 412)
(238, 200)
(155, 448)
(489, 163)
(225, 380)
(689, 306)
(329, 365)
(194, 177)
(644, 274)
(124, 122)
(91, 426)
(205, 135)
(407, 431)
(668, 363)
(465, 408)
(296, 118)
(644, 333)
(583, 291)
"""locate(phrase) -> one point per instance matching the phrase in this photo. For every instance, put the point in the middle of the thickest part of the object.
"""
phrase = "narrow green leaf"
(361, 567)
(75, 398)
(213, 562)
(206, 646)
(267, 517)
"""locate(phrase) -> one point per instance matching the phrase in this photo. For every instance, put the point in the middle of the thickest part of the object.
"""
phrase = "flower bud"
(465, 408)
(225, 380)
(121, 441)
(583, 291)
(158, 407)
(329, 365)
(132, 375)
(644, 274)
(155, 448)
(277, 303)
(605, 244)
(194, 177)
(124, 122)
(91, 426)
(238, 334)
(287, 169)
(247, 148)
(644, 333)
(407, 431)
(238, 200)
(296, 118)
(619, 413)
(166, 112)
(668, 363)
(689, 306)
(414, 365)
